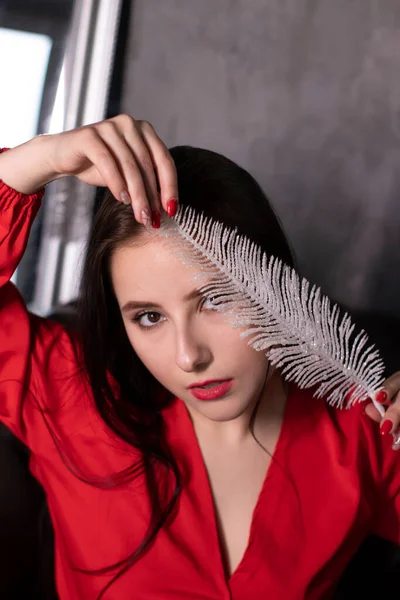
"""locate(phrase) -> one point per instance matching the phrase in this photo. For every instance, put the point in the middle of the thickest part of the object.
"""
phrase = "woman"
(176, 461)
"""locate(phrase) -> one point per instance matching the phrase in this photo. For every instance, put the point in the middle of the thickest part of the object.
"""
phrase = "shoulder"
(346, 435)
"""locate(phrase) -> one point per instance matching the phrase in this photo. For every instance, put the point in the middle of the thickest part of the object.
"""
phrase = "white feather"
(300, 330)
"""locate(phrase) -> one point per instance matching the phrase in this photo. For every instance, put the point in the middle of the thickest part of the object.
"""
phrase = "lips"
(200, 384)
(219, 389)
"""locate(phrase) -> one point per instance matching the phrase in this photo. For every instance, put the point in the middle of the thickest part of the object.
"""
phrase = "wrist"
(26, 168)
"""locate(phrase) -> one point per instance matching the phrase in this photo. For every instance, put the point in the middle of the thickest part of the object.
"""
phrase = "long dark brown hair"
(208, 182)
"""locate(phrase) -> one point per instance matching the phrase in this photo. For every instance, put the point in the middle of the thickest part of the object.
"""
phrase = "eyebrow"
(132, 304)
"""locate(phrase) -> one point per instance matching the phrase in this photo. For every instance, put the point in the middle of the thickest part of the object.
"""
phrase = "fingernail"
(386, 427)
(381, 397)
(155, 219)
(172, 207)
(125, 197)
(145, 216)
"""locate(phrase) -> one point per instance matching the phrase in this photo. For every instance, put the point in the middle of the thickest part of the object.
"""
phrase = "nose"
(192, 350)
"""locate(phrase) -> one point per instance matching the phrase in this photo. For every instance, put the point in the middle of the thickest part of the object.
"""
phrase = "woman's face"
(178, 335)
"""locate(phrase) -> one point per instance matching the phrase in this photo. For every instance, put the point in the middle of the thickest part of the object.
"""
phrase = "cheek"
(230, 338)
(150, 353)
(242, 347)
(254, 362)
(236, 351)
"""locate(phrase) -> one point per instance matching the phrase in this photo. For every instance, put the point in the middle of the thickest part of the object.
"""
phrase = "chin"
(221, 410)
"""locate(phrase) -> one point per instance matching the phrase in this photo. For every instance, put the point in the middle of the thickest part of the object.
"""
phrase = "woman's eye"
(150, 319)
(209, 304)
(153, 319)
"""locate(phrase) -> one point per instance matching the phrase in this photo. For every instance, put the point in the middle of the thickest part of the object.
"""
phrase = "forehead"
(150, 266)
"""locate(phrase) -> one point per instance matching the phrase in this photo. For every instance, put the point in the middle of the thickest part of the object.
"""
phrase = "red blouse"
(333, 479)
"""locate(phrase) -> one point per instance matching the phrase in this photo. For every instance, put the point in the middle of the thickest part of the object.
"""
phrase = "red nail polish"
(387, 427)
(381, 397)
(172, 207)
(155, 219)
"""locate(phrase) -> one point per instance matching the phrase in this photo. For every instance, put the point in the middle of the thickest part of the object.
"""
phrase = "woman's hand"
(389, 396)
(121, 153)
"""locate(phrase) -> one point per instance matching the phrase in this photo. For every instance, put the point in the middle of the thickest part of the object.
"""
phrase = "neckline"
(198, 463)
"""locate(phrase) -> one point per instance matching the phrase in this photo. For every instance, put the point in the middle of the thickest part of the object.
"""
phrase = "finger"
(389, 389)
(130, 170)
(103, 160)
(392, 416)
(129, 130)
(372, 412)
(165, 167)
(396, 440)
(145, 163)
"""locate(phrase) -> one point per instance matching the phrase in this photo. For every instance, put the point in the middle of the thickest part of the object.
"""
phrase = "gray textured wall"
(306, 95)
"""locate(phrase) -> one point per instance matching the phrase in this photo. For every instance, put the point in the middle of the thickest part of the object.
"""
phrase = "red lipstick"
(219, 389)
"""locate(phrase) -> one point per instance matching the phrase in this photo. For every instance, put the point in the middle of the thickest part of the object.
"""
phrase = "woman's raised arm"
(121, 153)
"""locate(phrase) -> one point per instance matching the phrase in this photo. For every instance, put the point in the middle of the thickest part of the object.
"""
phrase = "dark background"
(306, 95)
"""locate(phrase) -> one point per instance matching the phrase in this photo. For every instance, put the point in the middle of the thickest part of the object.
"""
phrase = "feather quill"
(301, 331)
